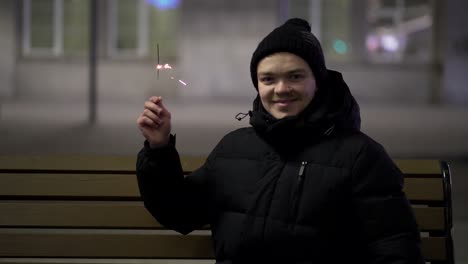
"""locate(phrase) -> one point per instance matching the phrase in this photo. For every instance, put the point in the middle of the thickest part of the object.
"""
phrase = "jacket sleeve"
(385, 220)
(177, 202)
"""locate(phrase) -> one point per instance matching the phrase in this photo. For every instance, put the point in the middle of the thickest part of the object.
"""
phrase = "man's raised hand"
(155, 122)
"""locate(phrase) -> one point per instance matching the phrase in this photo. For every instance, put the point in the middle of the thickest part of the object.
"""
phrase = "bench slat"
(101, 261)
(126, 215)
(419, 167)
(125, 185)
(60, 184)
(80, 163)
(127, 163)
(424, 189)
(434, 248)
(103, 244)
(109, 245)
(68, 162)
(76, 214)
(430, 218)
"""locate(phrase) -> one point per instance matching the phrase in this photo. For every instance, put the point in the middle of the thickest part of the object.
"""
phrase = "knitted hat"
(294, 37)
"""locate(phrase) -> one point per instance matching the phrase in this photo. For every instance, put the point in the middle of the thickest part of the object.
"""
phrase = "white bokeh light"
(390, 42)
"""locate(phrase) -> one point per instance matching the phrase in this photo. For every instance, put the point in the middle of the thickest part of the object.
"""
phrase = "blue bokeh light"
(164, 4)
(340, 46)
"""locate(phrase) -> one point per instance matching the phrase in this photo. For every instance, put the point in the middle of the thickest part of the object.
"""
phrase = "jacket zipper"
(298, 191)
(301, 170)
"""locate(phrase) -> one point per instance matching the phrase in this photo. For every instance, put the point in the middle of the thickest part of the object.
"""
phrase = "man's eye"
(266, 79)
(296, 77)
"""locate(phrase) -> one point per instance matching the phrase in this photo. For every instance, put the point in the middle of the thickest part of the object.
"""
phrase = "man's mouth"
(283, 101)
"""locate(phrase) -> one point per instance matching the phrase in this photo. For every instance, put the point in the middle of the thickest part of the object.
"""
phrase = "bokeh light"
(164, 4)
(340, 46)
(390, 42)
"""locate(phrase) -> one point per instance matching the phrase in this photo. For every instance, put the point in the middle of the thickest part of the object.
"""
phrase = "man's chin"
(281, 115)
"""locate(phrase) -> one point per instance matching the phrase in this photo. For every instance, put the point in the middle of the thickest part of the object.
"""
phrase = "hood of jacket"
(332, 109)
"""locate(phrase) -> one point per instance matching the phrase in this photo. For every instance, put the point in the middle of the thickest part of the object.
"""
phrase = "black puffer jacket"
(305, 189)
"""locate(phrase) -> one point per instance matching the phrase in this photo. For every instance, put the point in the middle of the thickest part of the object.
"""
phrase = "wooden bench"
(59, 209)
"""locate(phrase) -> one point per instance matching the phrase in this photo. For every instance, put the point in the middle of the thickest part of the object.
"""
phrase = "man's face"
(286, 84)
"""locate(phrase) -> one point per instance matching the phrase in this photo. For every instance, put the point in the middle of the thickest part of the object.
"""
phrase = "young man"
(301, 185)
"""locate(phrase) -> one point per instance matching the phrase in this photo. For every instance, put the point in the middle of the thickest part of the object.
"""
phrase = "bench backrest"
(77, 209)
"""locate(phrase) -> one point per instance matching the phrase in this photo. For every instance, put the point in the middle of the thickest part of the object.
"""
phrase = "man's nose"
(282, 87)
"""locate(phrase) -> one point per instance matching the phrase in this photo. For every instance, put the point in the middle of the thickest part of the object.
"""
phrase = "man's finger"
(141, 121)
(150, 114)
(156, 109)
(163, 107)
(155, 99)
(149, 123)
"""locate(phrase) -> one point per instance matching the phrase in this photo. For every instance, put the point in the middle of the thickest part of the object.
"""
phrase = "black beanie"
(295, 37)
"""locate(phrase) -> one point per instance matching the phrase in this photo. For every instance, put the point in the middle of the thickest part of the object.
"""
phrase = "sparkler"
(166, 66)
(157, 67)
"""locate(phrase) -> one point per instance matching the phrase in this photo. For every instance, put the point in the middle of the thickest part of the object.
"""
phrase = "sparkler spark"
(166, 66)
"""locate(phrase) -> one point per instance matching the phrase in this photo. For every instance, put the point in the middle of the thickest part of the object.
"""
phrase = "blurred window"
(389, 31)
(399, 30)
(331, 24)
(137, 26)
(337, 29)
(55, 27)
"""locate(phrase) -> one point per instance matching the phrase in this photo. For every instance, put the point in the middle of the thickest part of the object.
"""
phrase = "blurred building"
(391, 51)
